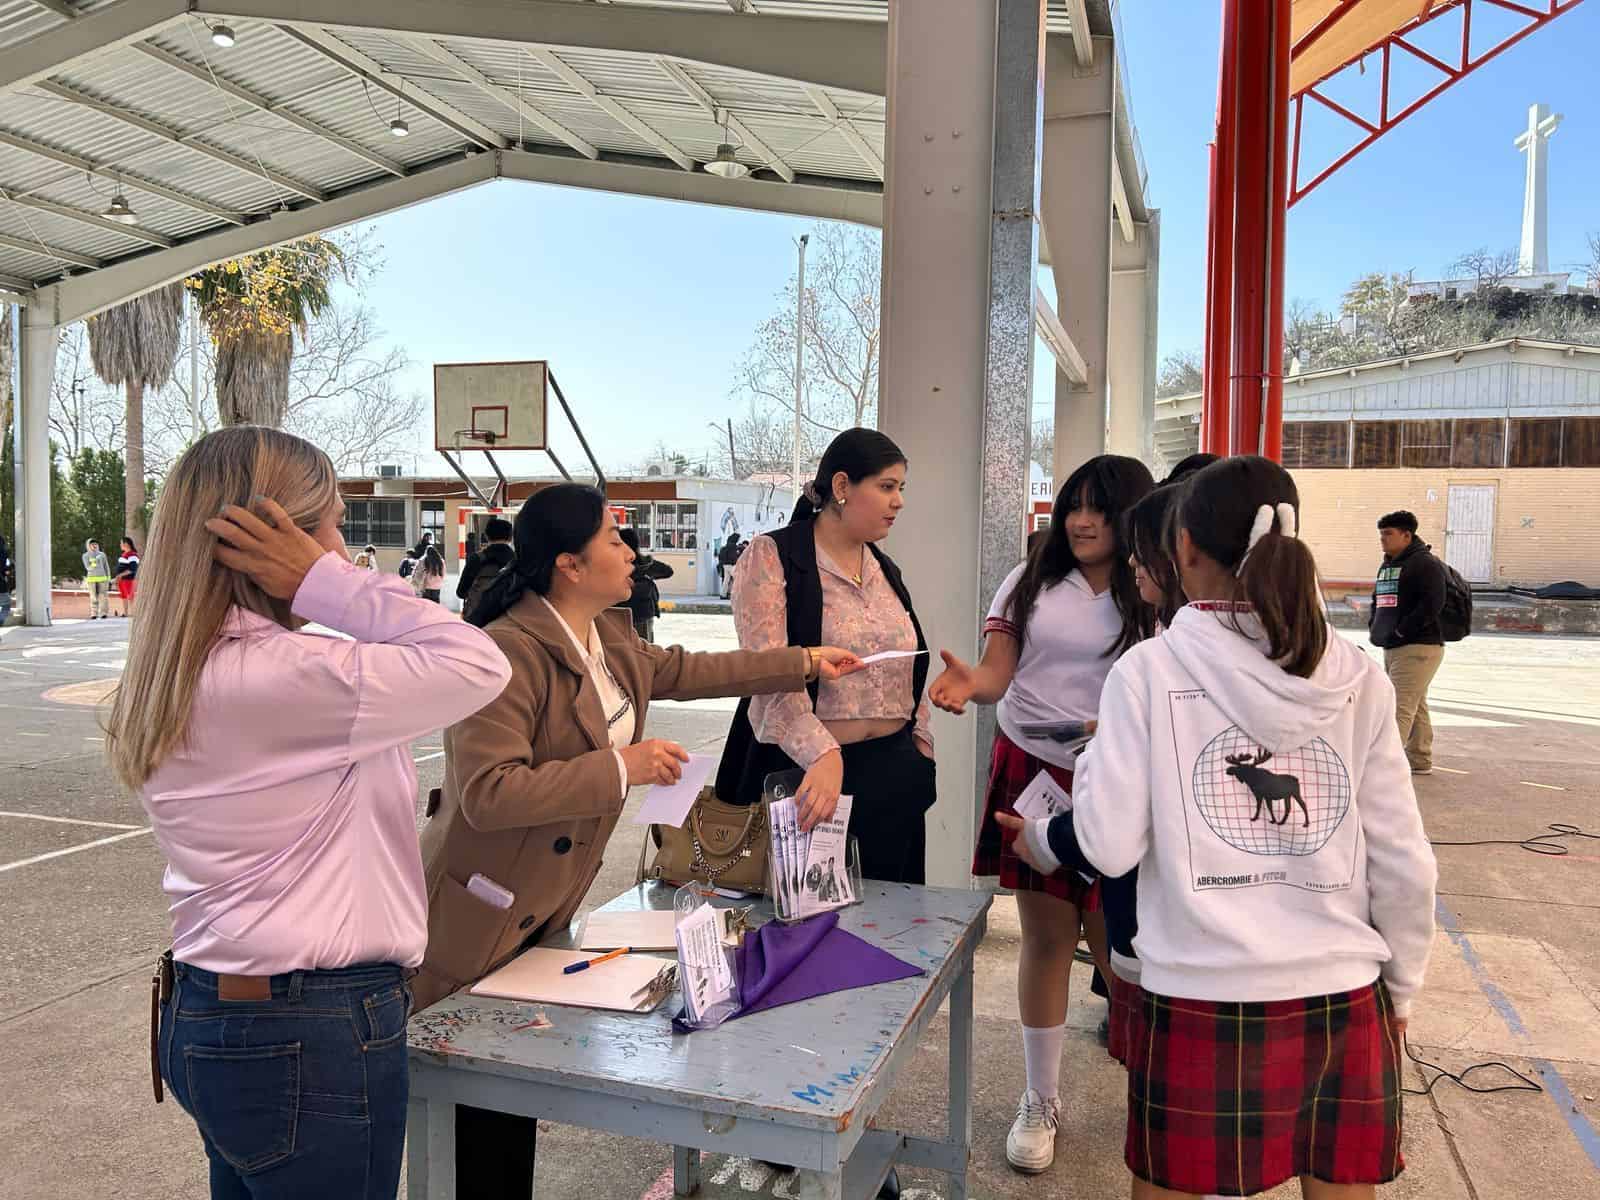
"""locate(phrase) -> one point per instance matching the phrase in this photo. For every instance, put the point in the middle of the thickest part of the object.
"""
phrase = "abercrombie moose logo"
(1292, 806)
(1268, 789)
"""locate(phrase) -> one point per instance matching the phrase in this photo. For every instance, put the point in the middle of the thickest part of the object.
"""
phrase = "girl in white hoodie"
(1248, 763)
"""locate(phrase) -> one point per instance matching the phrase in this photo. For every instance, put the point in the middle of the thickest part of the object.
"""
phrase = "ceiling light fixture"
(398, 126)
(726, 164)
(120, 211)
(222, 35)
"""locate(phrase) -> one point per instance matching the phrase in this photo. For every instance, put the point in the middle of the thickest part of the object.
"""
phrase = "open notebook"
(632, 983)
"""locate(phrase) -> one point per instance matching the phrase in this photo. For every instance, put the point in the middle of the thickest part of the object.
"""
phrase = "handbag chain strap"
(702, 863)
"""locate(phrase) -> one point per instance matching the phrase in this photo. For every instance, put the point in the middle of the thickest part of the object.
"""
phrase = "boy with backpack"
(1411, 609)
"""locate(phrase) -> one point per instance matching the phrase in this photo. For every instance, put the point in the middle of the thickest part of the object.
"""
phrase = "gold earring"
(843, 500)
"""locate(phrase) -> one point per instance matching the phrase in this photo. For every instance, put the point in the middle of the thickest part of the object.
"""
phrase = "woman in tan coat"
(535, 781)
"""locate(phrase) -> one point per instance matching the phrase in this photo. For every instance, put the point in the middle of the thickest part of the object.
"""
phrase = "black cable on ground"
(1547, 843)
(1523, 1084)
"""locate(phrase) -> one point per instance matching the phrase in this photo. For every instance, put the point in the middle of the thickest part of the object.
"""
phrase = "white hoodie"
(1280, 850)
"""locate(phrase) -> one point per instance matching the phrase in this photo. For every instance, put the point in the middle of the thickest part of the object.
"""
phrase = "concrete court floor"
(1519, 980)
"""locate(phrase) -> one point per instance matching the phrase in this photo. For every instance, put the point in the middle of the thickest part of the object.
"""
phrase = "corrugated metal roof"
(283, 72)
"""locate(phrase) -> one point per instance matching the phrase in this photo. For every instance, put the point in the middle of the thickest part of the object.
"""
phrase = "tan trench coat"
(531, 787)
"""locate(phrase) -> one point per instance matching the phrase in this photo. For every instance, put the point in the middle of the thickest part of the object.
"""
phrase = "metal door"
(1469, 532)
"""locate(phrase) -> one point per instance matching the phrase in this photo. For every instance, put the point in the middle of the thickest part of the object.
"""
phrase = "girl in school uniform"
(1056, 626)
(1248, 763)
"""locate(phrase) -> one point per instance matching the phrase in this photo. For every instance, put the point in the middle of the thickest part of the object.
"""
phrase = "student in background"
(483, 567)
(1055, 628)
(127, 576)
(362, 561)
(645, 600)
(97, 578)
(1407, 601)
(1247, 762)
(429, 574)
(371, 552)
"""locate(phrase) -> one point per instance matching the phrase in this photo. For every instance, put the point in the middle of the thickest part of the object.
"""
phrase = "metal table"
(799, 1084)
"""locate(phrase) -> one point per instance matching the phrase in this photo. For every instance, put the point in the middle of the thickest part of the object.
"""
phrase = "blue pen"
(574, 968)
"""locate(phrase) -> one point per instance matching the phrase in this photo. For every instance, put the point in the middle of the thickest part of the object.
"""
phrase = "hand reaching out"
(955, 686)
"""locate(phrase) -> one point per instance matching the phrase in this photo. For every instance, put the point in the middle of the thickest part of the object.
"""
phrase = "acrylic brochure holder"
(708, 969)
(808, 874)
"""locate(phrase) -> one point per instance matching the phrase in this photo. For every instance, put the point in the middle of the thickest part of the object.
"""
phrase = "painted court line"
(1549, 787)
(428, 757)
(1452, 771)
(70, 821)
(1555, 1085)
(39, 858)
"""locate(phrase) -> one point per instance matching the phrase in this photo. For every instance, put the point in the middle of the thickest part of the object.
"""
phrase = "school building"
(682, 520)
(1495, 447)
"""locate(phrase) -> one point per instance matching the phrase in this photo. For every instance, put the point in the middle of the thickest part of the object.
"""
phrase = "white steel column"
(1079, 150)
(36, 362)
(1131, 367)
(939, 152)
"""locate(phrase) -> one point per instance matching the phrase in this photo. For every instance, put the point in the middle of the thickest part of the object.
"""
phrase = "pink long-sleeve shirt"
(288, 815)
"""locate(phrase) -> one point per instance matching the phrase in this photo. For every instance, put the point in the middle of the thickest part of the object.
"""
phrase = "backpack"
(407, 565)
(1455, 618)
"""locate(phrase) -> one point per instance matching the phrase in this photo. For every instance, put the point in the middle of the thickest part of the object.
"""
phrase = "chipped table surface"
(807, 1064)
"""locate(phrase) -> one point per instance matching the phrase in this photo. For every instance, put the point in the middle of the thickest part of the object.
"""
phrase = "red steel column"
(1252, 233)
(1219, 283)
(1272, 412)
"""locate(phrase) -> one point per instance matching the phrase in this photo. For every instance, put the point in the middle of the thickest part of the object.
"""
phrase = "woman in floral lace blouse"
(866, 735)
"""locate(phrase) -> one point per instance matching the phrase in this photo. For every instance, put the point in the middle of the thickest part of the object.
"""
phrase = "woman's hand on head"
(266, 546)
(955, 685)
(834, 663)
(654, 760)
(819, 790)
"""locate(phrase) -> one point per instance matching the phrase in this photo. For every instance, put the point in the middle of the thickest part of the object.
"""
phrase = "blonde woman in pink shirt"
(275, 766)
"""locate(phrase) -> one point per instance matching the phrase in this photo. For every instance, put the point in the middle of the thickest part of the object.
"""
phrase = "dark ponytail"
(1278, 578)
(1110, 484)
(1146, 536)
(860, 454)
(557, 520)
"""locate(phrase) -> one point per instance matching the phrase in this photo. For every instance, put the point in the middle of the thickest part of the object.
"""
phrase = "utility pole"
(733, 463)
(799, 360)
(194, 367)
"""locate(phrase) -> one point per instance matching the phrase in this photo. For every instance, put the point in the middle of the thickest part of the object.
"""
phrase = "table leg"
(685, 1171)
(430, 1149)
(961, 1062)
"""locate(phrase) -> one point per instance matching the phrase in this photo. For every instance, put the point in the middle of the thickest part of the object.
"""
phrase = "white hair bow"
(1283, 513)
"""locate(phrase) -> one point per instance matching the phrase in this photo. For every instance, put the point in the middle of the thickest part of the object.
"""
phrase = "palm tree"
(134, 346)
(253, 307)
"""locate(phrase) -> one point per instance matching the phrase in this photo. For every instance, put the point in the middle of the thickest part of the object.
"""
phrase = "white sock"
(1041, 1050)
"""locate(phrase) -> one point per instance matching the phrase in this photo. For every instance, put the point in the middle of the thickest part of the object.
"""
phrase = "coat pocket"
(246, 1100)
(463, 932)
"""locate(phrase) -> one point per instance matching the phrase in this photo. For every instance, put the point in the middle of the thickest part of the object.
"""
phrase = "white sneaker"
(1031, 1144)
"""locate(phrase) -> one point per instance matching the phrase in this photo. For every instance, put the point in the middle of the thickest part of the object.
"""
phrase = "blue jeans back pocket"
(381, 1019)
(246, 1101)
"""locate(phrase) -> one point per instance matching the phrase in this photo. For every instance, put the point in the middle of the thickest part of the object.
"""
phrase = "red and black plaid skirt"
(1121, 1013)
(1234, 1099)
(1011, 770)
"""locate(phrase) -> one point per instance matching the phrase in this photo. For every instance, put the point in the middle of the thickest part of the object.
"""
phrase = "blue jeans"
(299, 1097)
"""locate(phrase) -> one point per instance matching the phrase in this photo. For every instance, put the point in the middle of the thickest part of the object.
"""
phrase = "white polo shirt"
(1064, 661)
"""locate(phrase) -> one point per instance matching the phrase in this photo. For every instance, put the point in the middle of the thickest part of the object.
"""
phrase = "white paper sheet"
(1043, 797)
(670, 805)
(825, 883)
(890, 655)
(707, 977)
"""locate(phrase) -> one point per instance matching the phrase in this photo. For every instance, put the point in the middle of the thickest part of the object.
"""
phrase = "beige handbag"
(720, 845)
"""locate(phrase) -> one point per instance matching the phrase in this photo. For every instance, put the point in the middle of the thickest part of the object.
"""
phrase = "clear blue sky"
(644, 307)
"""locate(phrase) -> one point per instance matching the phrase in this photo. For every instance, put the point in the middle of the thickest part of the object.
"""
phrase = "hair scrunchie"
(1282, 513)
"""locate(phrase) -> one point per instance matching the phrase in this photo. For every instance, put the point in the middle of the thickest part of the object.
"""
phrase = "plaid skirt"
(1121, 1013)
(1011, 770)
(1234, 1099)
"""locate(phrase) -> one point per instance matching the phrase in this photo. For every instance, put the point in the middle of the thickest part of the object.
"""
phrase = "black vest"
(747, 762)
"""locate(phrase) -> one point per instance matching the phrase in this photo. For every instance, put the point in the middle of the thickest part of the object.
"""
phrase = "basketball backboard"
(490, 406)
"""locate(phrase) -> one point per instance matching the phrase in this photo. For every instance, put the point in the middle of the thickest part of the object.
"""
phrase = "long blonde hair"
(185, 594)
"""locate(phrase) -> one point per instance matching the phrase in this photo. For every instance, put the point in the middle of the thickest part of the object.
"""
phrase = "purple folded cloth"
(779, 964)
